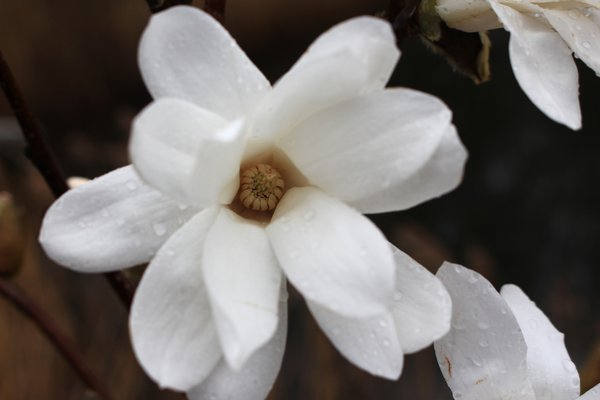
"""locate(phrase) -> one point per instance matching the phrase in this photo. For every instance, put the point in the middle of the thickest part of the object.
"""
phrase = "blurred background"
(527, 212)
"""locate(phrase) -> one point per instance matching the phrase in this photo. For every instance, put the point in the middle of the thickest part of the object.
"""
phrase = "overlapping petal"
(112, 222)
(484, 356)
(543, 65)
(172, 330)
(551, 371)
(468, 16)
(592, 394)
(422, 308)
(243, 280)
(403, 127)
(185, 53)
(370, 343)
(188, 153)
(332, 254)
(352, 58)
(255, 379)
(580, 32)
(441, 173)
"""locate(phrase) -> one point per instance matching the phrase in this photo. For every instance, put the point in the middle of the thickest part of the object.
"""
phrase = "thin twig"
(30, 309)
(40, 154)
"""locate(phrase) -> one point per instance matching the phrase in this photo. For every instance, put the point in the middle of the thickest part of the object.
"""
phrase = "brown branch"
(42, 157)
(29, 308)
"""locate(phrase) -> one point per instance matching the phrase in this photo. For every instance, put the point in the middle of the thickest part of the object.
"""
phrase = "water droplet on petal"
(309, 215)
(131, 185)
(482, 325)
(159, 228)
(568, 365)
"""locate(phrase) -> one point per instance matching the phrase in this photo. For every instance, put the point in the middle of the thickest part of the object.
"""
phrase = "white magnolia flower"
(501, 346)
(234, 182)
(543, 34)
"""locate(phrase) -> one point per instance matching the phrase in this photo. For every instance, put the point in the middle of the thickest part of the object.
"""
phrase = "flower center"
(261, 188)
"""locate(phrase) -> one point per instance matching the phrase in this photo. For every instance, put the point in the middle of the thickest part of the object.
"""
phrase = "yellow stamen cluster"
(261, 188)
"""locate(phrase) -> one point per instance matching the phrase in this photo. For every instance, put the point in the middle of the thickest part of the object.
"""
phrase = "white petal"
(333, 255)
(370, 343)
(484, 355)
(422, 307)
(351, 59)
(173, 335)
(185, 53)
(369, 144)
(188, 153)
(592, 394)
(543, 66)
(254, 381)
(580, 33)
(468, 15)
(551, 371)
(439, 175)
(112, 222)
(243, 281)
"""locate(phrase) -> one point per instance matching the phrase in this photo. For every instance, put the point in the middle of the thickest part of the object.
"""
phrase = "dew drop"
(483, 344)
(473, 277)
(386, 343)
(383, 323)
(482, 325)
(458, 324)
(586, 45)
(533, 323)
(568, 365)
(159, 228)
(398, 296)
(131, 185)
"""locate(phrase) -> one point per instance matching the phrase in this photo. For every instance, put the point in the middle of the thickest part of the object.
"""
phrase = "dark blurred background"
(527, 211)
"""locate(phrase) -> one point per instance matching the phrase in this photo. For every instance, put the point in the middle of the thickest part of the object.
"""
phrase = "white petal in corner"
(351, 59)
(439, 175)
(255, 380)
(369, 144)
(543, 66)
(369, 343)
(580, 32)
(592, 394)
(173, 335)
(185, 53)
(112, 222)
(484, 354)
(551, 371)
(243, 281)
(332, 254)
(188, 153)
(422, 307)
